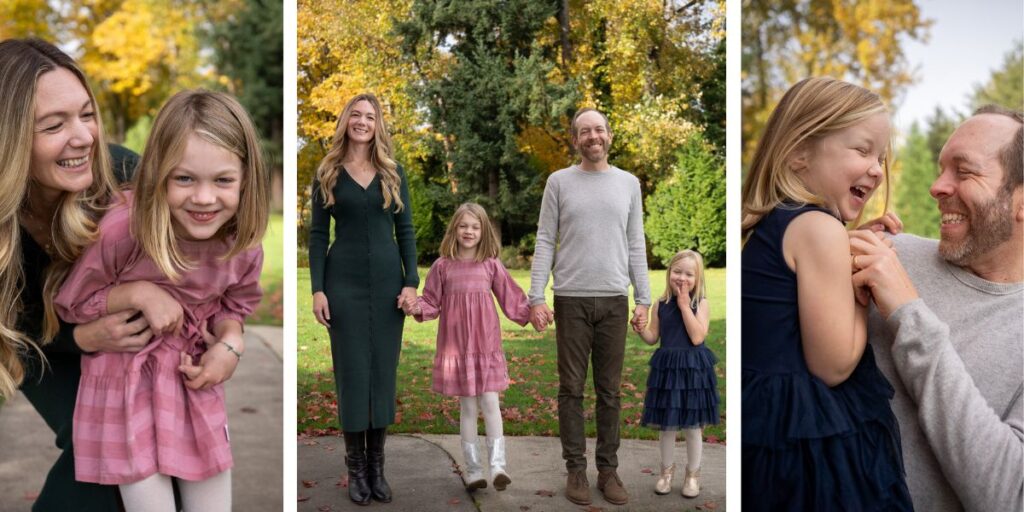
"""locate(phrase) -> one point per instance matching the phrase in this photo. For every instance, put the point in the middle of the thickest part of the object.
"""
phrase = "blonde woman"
(56, 180)
(355, 284)
(818, 430)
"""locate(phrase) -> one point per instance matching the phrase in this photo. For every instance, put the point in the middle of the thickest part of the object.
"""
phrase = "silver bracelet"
(231, 349)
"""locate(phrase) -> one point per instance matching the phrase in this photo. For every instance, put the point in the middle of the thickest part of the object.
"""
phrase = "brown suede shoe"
(610, 485)
(577, 488)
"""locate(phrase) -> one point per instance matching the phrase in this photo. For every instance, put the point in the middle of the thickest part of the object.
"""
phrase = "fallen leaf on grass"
(304, 498)
(546, 493)
(309, 483)
(710, 505)
(454, 501)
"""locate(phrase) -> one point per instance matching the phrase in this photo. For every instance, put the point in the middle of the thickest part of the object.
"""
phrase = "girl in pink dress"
(183, 250)
(470, 363)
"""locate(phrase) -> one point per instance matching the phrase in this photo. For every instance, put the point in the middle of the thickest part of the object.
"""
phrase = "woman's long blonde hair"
(489, 246)
(699, 291)
(22, 62)
(219, 119)
(381, 156)
(812, 108)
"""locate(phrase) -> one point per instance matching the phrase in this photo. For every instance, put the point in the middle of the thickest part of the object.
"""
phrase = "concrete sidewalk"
(423, 472)
(254, 402)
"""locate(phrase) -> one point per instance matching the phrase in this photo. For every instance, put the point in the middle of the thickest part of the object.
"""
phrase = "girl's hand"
(321, 309)
(117, 332)
(889, 222)
(163, 313)
(217, 364)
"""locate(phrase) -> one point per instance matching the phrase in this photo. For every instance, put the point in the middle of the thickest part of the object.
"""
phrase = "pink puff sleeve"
(242, 297)
(511, 299)
(433, 292)
(83, 296)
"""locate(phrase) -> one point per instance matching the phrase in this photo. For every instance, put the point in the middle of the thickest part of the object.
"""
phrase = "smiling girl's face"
(64, 134)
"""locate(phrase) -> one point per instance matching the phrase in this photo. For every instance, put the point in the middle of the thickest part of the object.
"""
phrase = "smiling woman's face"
(64, 134)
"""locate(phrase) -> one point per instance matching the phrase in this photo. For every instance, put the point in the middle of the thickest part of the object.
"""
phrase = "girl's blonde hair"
(489, 246)
(381, 156)
(811, 109)
(219, 119)
(22, 62)
(698, 286)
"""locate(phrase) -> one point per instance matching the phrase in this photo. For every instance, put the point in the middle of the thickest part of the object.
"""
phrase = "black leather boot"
(358, 486)
(375, 461)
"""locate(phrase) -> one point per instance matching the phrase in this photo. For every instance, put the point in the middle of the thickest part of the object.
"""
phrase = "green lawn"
(271, 308)
(529, 406)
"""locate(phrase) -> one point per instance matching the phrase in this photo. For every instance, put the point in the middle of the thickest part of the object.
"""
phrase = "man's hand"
(639, 318)
(117, 332)
(878, 271)
(541, 316)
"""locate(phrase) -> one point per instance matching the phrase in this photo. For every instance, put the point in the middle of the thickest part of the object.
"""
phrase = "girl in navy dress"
(682, 390)
(818, 430)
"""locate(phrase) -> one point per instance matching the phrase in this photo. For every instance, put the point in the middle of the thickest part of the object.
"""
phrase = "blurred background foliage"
(479, 95)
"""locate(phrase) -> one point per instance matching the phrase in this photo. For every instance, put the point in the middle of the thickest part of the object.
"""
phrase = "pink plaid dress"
(469, 359)
(134, 416)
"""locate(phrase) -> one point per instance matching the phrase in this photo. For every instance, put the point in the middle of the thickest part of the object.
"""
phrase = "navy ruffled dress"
(807, 446)
(682, 390)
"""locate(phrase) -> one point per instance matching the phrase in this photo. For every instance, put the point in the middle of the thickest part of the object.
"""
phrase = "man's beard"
(594, 156)
(991, 224)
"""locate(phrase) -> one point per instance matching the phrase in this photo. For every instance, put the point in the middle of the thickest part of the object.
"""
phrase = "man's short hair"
(1011, 156)
(582, 111)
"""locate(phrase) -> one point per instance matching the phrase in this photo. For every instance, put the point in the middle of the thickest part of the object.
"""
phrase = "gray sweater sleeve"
(637, 250)
(547, 237)
(981, 453)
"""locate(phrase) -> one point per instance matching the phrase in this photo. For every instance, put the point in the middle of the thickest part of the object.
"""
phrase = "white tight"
(486, 403)
(694, 447)
(155, 494)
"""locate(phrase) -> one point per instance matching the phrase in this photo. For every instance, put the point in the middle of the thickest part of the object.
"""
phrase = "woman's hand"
(117, 332)
(407, 298)
(321, 310)
(878, 270)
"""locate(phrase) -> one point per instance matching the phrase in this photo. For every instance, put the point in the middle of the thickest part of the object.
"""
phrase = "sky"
(968, 40)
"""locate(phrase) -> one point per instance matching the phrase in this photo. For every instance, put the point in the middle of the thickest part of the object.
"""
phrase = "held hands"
(878, 273)
(407, 301)
(540, 316)
(321, 310)
(217, 364)
(639, 321)
(116, 332)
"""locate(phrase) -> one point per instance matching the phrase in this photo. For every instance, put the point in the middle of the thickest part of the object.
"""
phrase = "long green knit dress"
(373, 256)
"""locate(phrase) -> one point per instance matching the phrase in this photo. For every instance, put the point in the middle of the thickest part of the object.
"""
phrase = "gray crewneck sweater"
(591, 230)
(954, 357)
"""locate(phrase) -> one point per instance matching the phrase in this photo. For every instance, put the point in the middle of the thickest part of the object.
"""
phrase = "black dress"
(372, 258)
(807, 446)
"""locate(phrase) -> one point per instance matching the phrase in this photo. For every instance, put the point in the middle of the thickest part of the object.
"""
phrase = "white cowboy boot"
(496, 447)
(691, 484)
(474, 470)
(664, 485)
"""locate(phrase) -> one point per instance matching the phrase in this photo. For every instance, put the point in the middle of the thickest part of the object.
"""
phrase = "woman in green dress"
(361, 283)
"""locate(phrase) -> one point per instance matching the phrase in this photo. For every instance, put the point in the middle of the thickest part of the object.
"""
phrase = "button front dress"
(134, 416)
(362, 273)
(807, 446)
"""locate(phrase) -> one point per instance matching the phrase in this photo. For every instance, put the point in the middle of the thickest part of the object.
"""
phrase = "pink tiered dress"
(469, 359)
(134, 416)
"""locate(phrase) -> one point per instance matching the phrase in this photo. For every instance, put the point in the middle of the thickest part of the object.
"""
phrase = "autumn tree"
(860, 41)
(26, 18)
(496, 84)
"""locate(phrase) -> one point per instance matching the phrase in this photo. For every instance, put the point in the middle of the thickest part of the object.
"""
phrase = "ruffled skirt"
(682, 389)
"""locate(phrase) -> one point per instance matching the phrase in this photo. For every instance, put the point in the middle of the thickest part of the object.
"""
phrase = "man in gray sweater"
(591, 232)
(954, 355)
